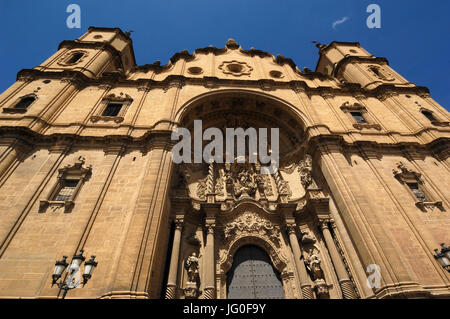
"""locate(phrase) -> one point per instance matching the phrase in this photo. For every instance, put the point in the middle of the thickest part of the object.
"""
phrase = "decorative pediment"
(348, 107)
(77, 172)
(77, 169)
(404, 174)
(121, 97)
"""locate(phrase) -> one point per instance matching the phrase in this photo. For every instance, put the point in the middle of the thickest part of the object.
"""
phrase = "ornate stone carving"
(235, 68)
(321, 288)
(347, 107)
(267, 85)
(361, 126)
(313, 264)
(380, 72)
(251, 223)
(304, 169)
(191, 265)
(245, 185)
(402, 173)
(220, 183)
(202, 188)
(308, 238)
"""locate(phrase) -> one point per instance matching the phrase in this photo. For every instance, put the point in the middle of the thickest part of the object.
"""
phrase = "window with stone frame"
(69, 182)
(22, 104)
(66, 189)
(359, 116)
(431, 116)
(113, 108)
(381, 73)
(416, 187)
(417, 191)
(73, 57)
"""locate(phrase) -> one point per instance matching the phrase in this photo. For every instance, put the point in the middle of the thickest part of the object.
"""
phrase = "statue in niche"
(314, 266)
(313, 263)
(260, 182)
(244, 185)
(304, 170)
(191, 265)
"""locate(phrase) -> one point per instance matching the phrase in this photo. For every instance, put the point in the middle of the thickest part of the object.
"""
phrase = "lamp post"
(73, 272)
(443, 256)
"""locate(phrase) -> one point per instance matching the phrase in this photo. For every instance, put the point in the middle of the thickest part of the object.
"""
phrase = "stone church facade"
(85, 163)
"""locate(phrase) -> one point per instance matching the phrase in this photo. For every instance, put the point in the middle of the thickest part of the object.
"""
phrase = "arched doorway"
(252, 276)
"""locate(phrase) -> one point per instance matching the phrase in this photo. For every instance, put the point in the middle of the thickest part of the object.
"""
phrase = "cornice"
(117, 78)
(117, 30)
(349, 59)
(439, 147)
(324, 48)
(151, 139)
(89, 45)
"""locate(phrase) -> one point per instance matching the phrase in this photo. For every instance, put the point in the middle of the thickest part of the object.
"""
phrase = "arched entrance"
(252, 276)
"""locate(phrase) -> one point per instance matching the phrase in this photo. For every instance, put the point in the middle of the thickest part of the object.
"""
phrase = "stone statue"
(304, 170)
(191, 265)
(244, 185)
(313, 262)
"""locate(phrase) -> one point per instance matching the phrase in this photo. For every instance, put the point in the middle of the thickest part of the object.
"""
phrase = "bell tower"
(98, 50)
(349, 62)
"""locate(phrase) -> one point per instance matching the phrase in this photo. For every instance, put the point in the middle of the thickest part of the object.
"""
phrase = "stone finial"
(319, 45)
(232, 44)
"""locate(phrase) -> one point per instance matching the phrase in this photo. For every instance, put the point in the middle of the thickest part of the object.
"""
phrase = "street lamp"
(443, 256)
(73, 279)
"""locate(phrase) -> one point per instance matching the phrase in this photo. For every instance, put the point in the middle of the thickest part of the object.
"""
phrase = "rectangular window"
(67, 190)
(25, 102)
(112, 109)
(358, 117)
(414, 187)
(429, 115)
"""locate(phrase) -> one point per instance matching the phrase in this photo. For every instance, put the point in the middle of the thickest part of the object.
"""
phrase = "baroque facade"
(85, 163)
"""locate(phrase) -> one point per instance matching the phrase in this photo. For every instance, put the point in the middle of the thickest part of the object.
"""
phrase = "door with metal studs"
(252, 276)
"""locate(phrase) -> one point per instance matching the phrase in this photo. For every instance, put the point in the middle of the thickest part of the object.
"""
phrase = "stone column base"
(209, 293)
(348, 292)
(171, 292)
(307, 292)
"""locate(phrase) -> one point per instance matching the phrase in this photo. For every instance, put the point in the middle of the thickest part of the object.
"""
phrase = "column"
(346, 285)
(12, 154)
(210, 290)
(171, 289)
(305, 283)
(139, 272)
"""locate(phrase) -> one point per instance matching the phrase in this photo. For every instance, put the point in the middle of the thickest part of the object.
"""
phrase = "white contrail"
(335, 23)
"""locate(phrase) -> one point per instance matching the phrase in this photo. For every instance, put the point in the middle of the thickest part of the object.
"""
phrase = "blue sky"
(414, 35)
